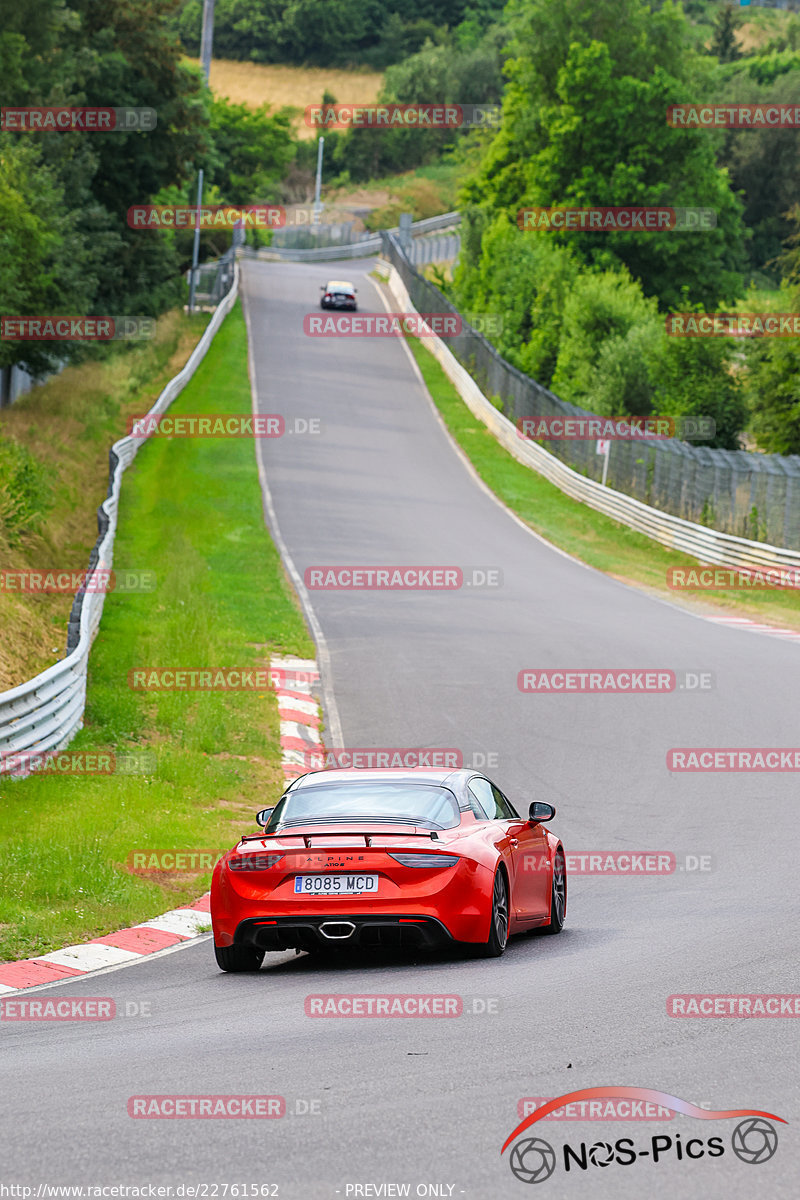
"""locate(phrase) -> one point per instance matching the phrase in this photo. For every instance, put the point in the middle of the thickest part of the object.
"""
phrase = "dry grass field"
(254, 84)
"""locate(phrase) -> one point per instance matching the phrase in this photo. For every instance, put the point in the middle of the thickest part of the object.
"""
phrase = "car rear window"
(426, 805)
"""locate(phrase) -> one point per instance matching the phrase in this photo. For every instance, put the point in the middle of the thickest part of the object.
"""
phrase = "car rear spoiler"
(428, 833)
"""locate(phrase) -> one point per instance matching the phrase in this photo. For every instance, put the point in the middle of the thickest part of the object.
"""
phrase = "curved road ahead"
(429, 1103)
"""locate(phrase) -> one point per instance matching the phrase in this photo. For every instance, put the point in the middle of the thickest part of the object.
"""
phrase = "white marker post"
(604, 447)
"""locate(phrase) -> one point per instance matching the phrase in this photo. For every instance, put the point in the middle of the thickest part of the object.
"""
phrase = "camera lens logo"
(601, 1154)
(533, 1160)
(754, 1140)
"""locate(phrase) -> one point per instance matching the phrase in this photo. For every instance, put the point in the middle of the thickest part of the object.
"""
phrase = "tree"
(524, 281)
(773, 385)
(607, 321)
(436, 74)
(699, 377)
(763, 164)
(252, 151)
(83, 53)
(41, 267)
(585, 125)
(724, 44)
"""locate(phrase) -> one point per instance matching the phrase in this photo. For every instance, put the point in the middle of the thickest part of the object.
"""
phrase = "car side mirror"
(322, 287)
(540, 812)
(265, 814)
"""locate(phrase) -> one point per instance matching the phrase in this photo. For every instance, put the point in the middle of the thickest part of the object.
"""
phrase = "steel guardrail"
(710, 546)
(46, 712)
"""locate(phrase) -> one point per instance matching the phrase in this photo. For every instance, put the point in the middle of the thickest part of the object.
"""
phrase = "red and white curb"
(297, 688)
(786, 635)
(297, 684)
(112, 950)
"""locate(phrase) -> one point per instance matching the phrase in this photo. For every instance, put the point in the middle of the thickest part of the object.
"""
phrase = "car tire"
(497, 941)
(558, 895)
(238, 958)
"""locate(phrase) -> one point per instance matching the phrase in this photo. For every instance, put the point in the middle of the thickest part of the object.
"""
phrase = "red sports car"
(387, 858)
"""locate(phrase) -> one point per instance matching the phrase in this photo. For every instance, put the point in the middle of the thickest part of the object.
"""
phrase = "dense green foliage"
(584, 90)
(585, 125)
(328, 33)
(65, 246)
(450, 73)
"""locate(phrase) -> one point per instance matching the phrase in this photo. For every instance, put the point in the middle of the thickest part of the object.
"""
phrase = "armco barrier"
(47, 711)
(707, 545)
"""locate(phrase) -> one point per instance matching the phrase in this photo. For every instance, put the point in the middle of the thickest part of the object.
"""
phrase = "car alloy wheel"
(558, 900)
(498, 930)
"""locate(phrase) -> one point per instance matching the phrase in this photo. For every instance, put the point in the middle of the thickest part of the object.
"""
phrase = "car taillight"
(254, 862)
(328, 296)
(425, 860)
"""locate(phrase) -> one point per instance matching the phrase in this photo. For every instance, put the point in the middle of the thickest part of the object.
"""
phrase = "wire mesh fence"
(435, 249)
(755, 496)
(309, 237)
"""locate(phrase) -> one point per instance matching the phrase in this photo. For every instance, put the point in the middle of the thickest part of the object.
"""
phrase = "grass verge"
(191, 512)
(588, 535)
(54, 445)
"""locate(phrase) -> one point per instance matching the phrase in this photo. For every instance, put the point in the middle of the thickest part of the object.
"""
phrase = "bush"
(609, 334)
(24, 491)
(525, 281)
(773, 393)
(696, 377)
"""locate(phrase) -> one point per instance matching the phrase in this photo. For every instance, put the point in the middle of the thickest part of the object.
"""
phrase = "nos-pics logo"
(533, 1160)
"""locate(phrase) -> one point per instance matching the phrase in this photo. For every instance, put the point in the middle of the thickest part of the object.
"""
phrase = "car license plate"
(334, 885)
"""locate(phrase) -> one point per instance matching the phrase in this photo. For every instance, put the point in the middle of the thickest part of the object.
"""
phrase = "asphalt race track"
(429, 1102)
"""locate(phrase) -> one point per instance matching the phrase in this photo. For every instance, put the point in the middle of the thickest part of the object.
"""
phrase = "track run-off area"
(428, 1102)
